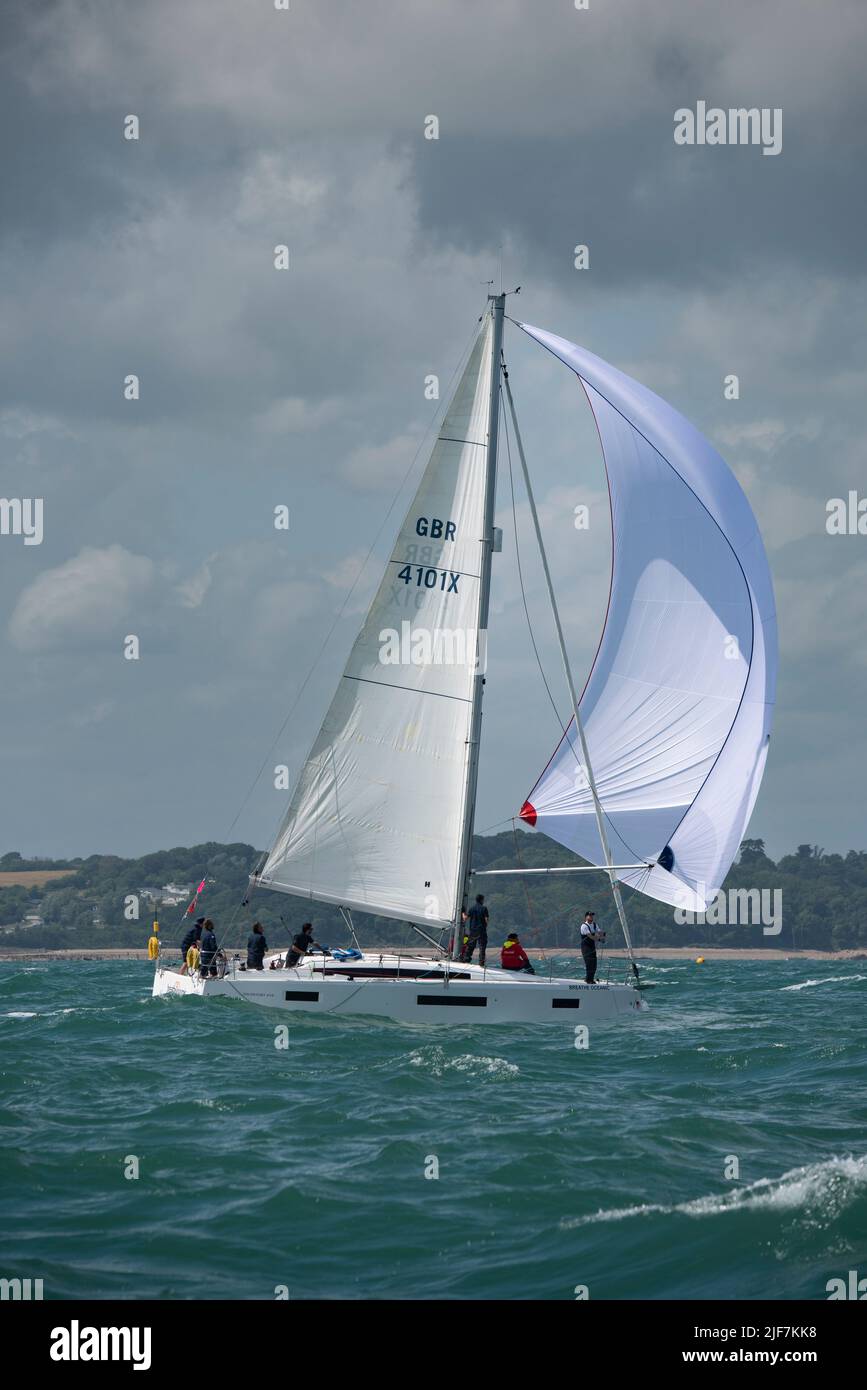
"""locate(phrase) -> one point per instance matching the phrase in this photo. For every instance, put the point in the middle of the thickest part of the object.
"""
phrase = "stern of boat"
(169, 980)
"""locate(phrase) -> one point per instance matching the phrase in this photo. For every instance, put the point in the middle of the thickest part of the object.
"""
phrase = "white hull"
(410, 990)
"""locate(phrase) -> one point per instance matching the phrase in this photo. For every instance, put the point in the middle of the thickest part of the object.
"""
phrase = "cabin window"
(459, 1001)
(310, 995)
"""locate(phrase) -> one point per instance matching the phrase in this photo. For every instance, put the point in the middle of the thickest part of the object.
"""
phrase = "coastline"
(647, 953)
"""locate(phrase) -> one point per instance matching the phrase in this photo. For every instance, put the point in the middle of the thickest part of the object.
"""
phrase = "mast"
(498, 304)
(597, 805)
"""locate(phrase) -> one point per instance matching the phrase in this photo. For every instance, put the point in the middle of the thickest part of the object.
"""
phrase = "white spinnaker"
(376, 817)
(677, 709)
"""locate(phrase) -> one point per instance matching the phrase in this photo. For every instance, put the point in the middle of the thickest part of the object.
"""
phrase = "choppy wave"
(373, 1160)
(826, 980)
(824, 1188)
(437, 1061)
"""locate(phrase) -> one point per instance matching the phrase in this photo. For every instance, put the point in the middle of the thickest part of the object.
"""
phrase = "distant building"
(170, 894)
(173, 893)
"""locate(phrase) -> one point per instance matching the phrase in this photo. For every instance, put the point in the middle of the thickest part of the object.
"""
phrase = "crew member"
(208, 948)
(192, 938)
(477, 930)
(301, 945)
(513, 956)
(256, 947)
(590, 934)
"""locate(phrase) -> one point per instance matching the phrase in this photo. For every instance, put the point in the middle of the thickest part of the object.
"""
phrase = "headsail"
(375, 820)
(677, 709)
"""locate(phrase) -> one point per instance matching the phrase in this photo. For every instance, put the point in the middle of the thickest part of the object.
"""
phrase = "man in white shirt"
(590, 934)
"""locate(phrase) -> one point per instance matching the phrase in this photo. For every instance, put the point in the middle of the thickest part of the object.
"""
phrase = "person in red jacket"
(513, 956)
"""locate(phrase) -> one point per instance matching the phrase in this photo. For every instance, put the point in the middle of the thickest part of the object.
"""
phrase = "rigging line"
(187, 912)
(534, 929)
(425, 937)
(521, 577)
(346, 914)
(464, 358)
(567, 671)
(564, 728)
(496, 826)
(183, 917)
(222, 942)
(246, 901)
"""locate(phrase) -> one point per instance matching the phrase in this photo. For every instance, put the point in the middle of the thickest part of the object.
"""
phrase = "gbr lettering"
(435, 528)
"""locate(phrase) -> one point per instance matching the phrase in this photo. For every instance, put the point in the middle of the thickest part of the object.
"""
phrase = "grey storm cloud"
(305, 388)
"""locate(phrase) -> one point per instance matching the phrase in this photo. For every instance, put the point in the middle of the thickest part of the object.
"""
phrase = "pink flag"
(200, 887)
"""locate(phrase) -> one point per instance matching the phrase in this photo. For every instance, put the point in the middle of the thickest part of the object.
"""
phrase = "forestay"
(677, 708)
(375, 820)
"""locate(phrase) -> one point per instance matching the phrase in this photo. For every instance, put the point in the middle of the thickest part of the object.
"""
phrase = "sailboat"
(657, 772)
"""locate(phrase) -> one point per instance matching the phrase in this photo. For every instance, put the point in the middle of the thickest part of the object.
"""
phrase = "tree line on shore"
(822, 897)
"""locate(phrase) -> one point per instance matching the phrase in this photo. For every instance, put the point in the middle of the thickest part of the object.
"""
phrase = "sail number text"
(446, 580)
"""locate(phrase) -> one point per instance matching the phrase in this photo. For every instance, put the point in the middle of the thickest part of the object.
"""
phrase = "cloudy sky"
(306, 387)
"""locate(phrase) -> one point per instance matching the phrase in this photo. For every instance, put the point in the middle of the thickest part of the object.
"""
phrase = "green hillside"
(823, 900)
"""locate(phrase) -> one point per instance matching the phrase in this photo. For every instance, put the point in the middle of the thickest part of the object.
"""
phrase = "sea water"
(713, 1147)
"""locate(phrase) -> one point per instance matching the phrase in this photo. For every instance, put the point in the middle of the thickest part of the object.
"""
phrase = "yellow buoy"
(699, 960)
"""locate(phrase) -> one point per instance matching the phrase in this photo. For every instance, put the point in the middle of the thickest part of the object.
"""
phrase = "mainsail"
(677, 708)
(375, 821)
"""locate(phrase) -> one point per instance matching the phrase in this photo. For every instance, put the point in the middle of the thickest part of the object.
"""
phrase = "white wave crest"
(437, 1061)
(825, 1189)
(828, 980)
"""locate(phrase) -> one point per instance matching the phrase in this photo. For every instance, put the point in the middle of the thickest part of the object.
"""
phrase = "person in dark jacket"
(256, 947)
(301, 945)
(477, 930)
(208, 947)
(591, 932)
(192, 938)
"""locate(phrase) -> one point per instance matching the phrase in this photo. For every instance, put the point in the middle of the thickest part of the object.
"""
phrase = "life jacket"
(513, 956)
